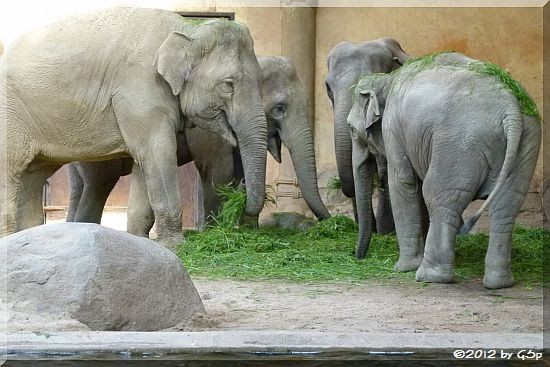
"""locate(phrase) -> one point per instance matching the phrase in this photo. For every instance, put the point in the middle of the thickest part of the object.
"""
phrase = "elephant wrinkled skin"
(285, 104)
(347, 62)
(124, 82)
(451, 135)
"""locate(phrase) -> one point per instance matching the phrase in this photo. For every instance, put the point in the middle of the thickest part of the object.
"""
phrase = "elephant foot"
(433, 274)
(408, 263)
(495, 279)
(172, 243)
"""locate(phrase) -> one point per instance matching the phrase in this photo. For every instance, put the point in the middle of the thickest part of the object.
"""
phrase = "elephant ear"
(373, 109)
(397, 62)
(173, 60)
(399, 57)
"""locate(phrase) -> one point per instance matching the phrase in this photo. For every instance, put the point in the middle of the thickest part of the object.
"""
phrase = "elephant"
(452, 132)
(123, 82)
(347, 62)
(218, 163)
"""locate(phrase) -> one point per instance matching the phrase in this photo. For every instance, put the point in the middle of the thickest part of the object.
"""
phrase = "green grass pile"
(334, 183)
(528, 105)
(234, 203)
(325, 252)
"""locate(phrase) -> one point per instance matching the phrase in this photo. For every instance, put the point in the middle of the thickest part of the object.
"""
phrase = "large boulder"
(103, 278)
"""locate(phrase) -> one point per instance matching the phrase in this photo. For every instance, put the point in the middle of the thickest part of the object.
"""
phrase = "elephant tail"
(513, 126)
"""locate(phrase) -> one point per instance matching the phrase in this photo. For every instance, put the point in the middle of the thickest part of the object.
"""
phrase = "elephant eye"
(353, 131)
(278, 111)
(228, 86)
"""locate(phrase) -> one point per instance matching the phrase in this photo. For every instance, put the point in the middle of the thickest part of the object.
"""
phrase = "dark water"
(251, 360)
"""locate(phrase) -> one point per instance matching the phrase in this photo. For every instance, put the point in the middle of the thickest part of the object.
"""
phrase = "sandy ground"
(373, 307)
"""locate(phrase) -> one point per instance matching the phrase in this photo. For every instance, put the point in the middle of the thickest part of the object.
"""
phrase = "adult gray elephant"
(123, 82)
(452, 132)
(347, 62)
(285, 105)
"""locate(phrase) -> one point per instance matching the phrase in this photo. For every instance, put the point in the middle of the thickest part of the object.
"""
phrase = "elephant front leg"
(407, 202)
(140, 214)
(159, 167)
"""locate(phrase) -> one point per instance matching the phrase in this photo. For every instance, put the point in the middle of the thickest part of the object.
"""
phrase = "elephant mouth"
(231, 134)
(217, 124)
(274, 145)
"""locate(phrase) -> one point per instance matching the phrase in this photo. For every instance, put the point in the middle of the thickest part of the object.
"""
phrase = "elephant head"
(215, 73)
(365, 126)
(346, 63)
(286, 107)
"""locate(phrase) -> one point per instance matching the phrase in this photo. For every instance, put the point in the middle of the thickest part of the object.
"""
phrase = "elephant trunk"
(299, 142)
(252, 140)
(364, 167)
(342, 141)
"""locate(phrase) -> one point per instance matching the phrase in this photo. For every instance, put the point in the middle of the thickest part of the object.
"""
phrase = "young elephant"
(124, 82)
(285, 104)
(452, 132)
(347, 62)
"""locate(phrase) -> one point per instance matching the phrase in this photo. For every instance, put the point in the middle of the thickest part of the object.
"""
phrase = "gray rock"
(103, 278)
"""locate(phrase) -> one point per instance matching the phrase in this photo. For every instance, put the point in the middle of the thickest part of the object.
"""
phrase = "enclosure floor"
(403, 306)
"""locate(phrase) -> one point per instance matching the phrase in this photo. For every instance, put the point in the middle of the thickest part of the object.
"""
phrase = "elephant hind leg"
(503, 211)
(445, 207)
(93, 198)
(76, 187)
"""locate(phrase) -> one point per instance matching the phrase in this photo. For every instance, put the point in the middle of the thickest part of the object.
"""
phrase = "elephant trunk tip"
(323, 214)
(361, 251)
(254, 206)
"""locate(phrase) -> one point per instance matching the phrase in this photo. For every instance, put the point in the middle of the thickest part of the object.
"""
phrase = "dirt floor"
(390, 306)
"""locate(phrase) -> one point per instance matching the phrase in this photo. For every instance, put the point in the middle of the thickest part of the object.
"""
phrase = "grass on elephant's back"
(326, 253)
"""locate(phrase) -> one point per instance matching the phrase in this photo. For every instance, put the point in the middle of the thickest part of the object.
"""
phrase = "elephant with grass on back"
(347, 62)
(124, 82)
(218, 163)
(453, 130)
